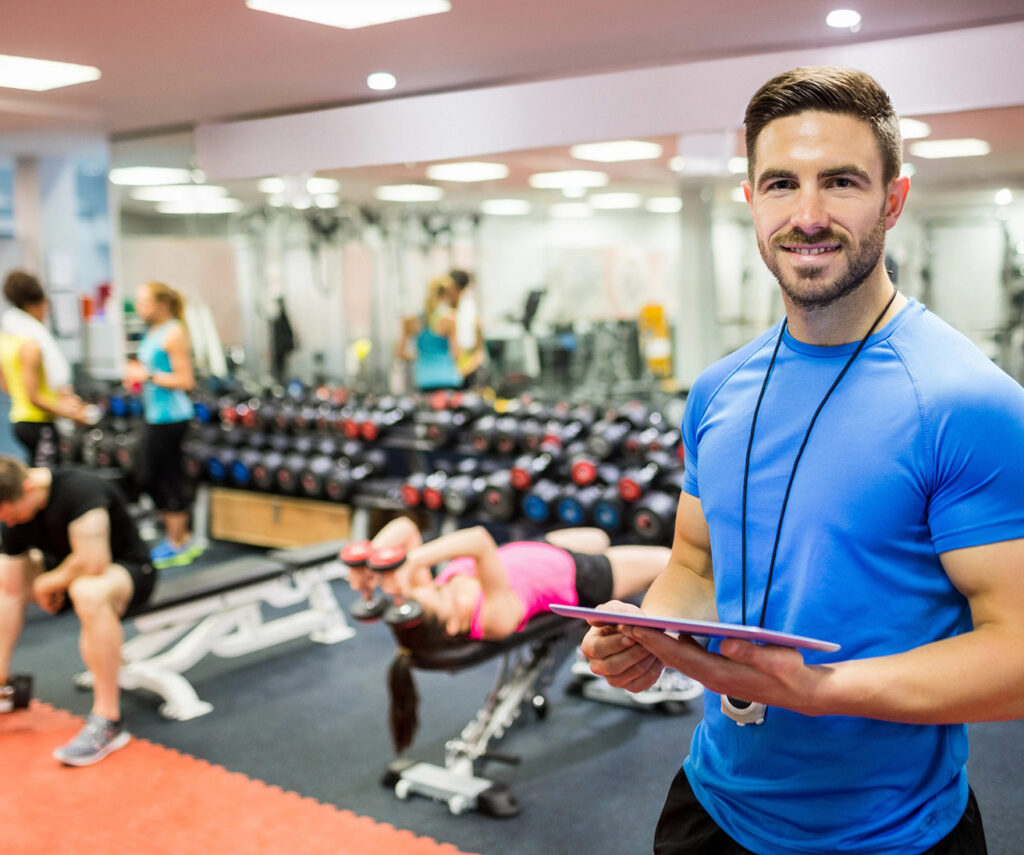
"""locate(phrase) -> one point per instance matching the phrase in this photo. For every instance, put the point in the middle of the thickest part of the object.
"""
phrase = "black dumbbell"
(314, 475)
(16, 694)
(499, 499)
(653, 518)
(400, 612)
(637, 480)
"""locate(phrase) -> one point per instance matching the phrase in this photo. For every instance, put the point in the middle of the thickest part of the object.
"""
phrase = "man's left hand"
(49, 591)
(767, 674)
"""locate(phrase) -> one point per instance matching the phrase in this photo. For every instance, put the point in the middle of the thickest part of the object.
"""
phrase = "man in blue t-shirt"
(853, 475)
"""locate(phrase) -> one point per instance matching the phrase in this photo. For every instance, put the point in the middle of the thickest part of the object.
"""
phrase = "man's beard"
(860, 265)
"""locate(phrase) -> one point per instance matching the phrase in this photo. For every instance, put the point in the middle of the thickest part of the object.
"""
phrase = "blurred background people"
(429, 340)
(35, 372)
(468, 330)
(164, 374)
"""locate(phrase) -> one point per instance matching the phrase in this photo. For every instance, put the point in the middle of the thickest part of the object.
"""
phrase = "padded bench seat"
(226, 576)
(540, 628)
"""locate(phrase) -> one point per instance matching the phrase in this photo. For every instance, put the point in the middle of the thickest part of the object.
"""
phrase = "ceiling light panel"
(318, 186)
(843, 19)
(467, 171)
(381, 81)
(664, 204)
(201, 206)
(935, 149)
(568, 178)
(505, 207)
(615, 201)
(351, 14)
(570, 210)
(178, 192)
(38, 75)
(409, 193)
(616, 151)
(914, 129)
(140, 176)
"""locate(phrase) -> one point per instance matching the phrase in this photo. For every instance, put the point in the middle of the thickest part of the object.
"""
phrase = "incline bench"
(528, 662)
(219, 610)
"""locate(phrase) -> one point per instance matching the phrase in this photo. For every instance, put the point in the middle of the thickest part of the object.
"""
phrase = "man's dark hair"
(23, 289)
(461, 278)
(831, 90)
(12, 478)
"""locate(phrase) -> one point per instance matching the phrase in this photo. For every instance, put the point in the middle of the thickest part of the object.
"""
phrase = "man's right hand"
(621, 661)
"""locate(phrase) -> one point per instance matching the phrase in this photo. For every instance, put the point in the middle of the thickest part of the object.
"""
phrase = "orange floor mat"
(149, 800)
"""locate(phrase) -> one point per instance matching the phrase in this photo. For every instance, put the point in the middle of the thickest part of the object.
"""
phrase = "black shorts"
(685, 828)
(143, 581)
(593, 578)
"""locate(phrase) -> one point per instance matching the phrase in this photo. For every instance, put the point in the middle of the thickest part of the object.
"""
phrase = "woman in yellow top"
(23, 364)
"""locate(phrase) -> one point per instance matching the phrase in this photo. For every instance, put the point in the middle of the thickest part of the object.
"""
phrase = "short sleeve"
(978, 494)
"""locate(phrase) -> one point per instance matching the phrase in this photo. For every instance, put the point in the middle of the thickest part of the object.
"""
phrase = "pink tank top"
(539, 574)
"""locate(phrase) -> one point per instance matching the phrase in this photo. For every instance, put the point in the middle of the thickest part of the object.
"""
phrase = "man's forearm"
(681, 592)
(977, 676)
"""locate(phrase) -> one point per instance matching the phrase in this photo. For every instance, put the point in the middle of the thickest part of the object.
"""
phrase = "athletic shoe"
(677, 686)
(96, 740)
(165, 554)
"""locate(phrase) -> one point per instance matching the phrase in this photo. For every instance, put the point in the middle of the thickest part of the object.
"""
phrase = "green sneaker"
(176, 556)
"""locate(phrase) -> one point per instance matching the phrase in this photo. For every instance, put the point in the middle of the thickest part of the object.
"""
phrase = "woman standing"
(436, 350)
(164, 372)
(34, 371)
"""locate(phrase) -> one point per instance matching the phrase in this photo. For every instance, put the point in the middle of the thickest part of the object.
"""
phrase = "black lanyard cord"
(796, 462)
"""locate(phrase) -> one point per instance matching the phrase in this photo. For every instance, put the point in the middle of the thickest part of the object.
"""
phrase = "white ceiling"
(171, 65)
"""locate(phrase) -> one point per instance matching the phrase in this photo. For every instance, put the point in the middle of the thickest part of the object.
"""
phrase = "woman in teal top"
(164, 372)
(435, 360)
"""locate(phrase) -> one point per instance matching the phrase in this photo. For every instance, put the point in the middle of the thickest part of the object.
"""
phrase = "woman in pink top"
(489, 592)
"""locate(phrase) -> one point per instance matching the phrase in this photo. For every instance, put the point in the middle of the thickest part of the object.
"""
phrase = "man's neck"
(42, 480)
(846, 320)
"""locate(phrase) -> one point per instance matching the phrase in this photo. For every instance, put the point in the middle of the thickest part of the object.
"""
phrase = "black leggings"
(685, 828)
(161, 469)
(40, 441)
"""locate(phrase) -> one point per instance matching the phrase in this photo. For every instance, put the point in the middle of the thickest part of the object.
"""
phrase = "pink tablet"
(707, 628)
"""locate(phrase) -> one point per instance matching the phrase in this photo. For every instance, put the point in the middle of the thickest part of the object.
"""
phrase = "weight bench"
(219, 610)
(529, 659)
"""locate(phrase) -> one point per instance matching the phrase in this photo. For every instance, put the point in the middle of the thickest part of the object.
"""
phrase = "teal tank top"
(160, 405)
(435, 367)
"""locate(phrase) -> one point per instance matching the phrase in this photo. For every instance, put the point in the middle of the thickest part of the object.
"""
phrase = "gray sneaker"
(95, 741)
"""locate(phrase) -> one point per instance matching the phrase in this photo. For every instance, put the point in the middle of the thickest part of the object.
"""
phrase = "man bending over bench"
(68, 541)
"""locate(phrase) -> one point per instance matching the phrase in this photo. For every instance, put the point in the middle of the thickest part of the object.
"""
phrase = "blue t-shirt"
(920, 450)
(160, 405)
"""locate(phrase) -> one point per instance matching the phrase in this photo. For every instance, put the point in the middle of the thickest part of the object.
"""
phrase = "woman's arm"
(181, 376)
(67, 406)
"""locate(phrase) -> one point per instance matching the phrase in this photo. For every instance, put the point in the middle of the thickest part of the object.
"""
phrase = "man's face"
(819, 204)
(18, 511)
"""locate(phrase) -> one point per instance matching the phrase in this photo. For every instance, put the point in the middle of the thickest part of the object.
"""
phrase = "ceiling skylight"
(616, 151)
(467, 171)
(568, 178)
(351, 14)
(934, 149)
(38, 75)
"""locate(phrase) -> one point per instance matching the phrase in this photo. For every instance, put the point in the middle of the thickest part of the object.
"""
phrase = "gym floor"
(311, 718)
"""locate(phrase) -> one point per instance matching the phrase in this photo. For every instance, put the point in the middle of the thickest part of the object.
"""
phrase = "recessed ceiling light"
(327, 200)
(38, 75)
(467, 171)
(568, 178)
(574, 192)
(616, 151)
(141, 176)
(737, 165)
(505, 207)
(178, 192)
(381, 81)
(271, 185)
(569, 210)
(409, 193)
(302, 203)
(316, 186)
(843, 19)
(914, 129)
(615, 201)
(351, 14)
(933, 149)
(664, 204)
(201, 206)
(1004, 196)
(676, 163)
